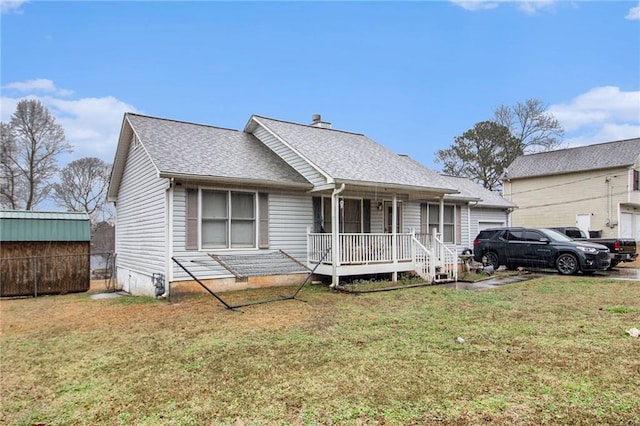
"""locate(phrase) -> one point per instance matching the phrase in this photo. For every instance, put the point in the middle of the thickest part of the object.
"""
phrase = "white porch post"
(394, 237)
(335, 240)
(441, 219)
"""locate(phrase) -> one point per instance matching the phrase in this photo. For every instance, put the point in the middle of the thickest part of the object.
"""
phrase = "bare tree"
(38, 140)
(9, 173)
(536, 129)
(83, 187)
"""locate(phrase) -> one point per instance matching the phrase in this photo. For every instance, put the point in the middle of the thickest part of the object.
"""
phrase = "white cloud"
(476, 4)
(634, 13)
(599, 105)
(8, 6)
(91, 125)
(606, 133)
(38, 85)
(601, 114)
(530, 7)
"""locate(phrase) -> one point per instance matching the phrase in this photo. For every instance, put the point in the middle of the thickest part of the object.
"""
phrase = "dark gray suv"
(542, 248)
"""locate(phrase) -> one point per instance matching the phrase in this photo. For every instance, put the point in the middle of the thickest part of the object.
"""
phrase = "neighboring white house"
(332, 200)
(594, 187)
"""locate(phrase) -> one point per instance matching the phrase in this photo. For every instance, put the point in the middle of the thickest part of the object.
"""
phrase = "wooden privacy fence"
(36, 268)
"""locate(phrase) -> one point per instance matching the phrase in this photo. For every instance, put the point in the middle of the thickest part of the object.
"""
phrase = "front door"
(388, 217)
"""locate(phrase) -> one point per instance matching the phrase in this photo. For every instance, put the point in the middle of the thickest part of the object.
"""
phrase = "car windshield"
(555, 235)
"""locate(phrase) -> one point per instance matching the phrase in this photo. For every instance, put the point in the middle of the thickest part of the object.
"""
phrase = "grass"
(550, 350)
(473, 276)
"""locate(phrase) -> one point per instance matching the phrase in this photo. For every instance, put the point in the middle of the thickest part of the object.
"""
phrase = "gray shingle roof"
(600, 156)
(470, 190)
(349, 156)
(180, 148)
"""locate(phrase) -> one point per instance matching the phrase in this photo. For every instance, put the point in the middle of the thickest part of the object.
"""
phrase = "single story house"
(220, 201)
(594, 187)
(43, 252)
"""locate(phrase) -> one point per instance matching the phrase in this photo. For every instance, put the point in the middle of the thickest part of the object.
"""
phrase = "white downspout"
(169, 240)
(469, 241)
(335, 240)
(441, 218)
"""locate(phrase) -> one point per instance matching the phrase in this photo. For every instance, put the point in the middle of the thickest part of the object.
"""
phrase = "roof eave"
(455, 197)
(398, 187)
(120, 159)
(236, 181)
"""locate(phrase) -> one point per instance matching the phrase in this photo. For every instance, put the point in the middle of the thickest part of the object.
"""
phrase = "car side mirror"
(545, 240)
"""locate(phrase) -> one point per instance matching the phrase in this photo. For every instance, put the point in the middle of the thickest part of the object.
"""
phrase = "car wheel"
(567, 264)
(492, 259)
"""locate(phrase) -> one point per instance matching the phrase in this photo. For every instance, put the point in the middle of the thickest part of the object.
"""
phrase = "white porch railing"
(357, 249)
(429, 257)
(446, 260)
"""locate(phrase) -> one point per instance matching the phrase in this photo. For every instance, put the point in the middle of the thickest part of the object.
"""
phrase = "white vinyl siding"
(411, 216)
(289, 215)
(555, 200)
(140, 219)
(290, 156)
(377, 216)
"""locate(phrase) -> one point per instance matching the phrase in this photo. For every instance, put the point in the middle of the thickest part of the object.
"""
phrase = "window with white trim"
(433, 213)
(228, 219)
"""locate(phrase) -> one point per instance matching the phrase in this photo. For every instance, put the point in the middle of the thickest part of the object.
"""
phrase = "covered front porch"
(375, 253)
(360, 232)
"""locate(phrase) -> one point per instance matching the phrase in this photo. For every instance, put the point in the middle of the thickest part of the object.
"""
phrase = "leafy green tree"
(481, 154)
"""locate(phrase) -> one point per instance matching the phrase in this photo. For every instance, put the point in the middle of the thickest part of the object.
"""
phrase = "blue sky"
(410, 75)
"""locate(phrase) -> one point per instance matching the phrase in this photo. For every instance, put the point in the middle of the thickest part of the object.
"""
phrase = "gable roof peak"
(172, 120)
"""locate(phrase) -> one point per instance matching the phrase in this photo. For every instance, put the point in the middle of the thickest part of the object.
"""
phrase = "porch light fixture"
(379, 205)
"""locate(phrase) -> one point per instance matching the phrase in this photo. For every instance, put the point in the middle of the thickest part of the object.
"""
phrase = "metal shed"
(44, 252)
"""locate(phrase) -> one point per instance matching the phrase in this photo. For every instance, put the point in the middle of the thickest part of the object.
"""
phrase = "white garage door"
(486, 225)
(626, 225)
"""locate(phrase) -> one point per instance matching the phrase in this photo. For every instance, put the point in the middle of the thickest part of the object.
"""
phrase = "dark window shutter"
(263, 218)
(191, 234)
(317, 214)
(424, 219)
(458, 214)
(366, 216)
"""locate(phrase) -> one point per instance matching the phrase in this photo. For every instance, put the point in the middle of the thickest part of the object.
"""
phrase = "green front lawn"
(551, 350)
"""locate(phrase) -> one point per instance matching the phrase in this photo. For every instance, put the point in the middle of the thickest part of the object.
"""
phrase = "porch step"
(443, 278)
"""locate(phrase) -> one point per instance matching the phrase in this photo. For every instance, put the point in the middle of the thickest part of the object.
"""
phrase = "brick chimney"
(317, 122)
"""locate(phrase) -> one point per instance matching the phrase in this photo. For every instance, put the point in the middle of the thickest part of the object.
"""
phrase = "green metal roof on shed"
(21, 225)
